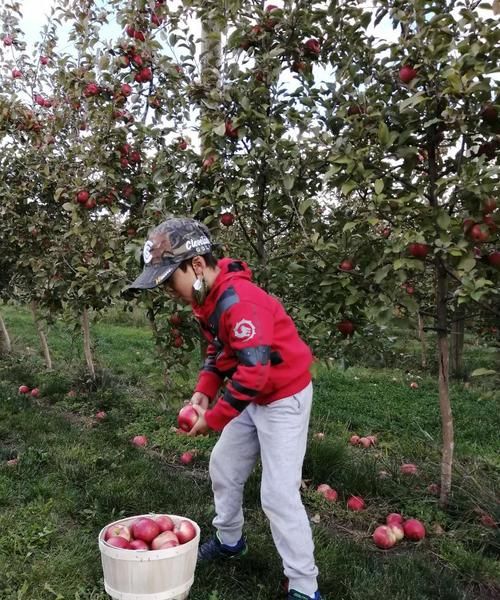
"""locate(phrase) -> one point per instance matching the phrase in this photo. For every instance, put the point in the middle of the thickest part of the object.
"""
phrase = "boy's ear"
(198, 263)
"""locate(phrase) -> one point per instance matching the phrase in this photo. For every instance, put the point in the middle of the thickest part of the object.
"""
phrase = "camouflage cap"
(167, 246)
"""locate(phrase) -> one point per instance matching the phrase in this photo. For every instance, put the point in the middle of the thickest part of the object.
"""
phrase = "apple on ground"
(165, 522)
(488, 521)
(414, 385)
(394, 519)
(118, 530)
(356, 503)
(186, 458)
(145, 529)
(365, 442)
(118, 542)
(187, 417)
(24, 389)
(101, 415)
(185, 531)
(398, 531)
(408, 469)
(138, 545)
(414, 529)
(327, 492)
(319, 435)
(35, 392)
(372, 439)
(384, 537)
(140, 440)
(354, 440)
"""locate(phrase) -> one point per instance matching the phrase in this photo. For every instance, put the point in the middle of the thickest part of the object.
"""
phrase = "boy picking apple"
(264, 412)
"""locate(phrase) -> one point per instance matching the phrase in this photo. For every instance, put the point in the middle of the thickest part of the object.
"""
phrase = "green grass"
(75, 475)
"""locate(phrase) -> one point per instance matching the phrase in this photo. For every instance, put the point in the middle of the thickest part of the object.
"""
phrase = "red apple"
(327, 492)
(182, 145)
(24, 389)
(126, 89)
(312, 48)
(414, 529)
(488, 521)
(145, 74)
(384, 537)
(139, 35)
(494, 258)
(354, 440)
(16, 74)
(394, 519)
(118, 542)
(410, 290)
(7, 40)
(468, 224)
(138, 545)
(372, 438)
(145, 529)
(419, 250)
(178, 342)
(140, 440)
(489, 113)
(101, 415)
(82, 196)
(227, 219)
(208, 162)
(185, 531)
(346, 327)
(118, 530)
(90, 204)
(398, 531)
(186, 458)
(407, 74)
(231, 131)
(365, 442)
(175, 320)
(346, 265)
(165, 522)
(187, 417)
(356, 503)
(479, 233)
(408, 469)
(414, 385)
(35, 392)
(12, 462)
(91, 89)
(163, 538)
(130, 31)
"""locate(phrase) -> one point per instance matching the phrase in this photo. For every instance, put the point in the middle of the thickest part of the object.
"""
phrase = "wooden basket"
(149, 575)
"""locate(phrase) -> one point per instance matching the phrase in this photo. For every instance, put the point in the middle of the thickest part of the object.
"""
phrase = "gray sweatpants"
(278, 431)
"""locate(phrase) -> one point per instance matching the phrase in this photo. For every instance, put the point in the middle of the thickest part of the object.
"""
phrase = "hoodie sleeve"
(210, 378)
(249, 331)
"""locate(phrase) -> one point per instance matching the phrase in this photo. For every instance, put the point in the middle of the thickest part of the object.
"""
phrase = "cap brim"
(152, 277)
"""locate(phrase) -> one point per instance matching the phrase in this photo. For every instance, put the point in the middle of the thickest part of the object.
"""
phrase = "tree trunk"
(423, 345)
(457, 367)
(86, 343)
(5, 345)
(444, 392)
(41, 336)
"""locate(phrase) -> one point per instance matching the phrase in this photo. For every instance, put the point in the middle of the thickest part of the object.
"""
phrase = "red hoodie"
(252, 342)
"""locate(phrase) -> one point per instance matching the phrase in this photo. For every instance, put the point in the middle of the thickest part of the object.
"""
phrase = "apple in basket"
(145, 529)
(185, 531)
(118, 530)
(165, 522)
(167, 539)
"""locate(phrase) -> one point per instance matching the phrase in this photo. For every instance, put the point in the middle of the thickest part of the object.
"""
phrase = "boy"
(254, 345)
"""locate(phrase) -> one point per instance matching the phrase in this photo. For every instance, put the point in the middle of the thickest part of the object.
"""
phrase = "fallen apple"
(186, 458)
(488, 521)
(384, 537)
(140, 440)
(356, 503)
(327, 492)
(365, 442)
(414, 529)
(372, 438)
(398, 531)
(394, 519)
(319, 435)
(414, 385)
(101, 415)
(354, 440)
(408, 469)
(24, 389)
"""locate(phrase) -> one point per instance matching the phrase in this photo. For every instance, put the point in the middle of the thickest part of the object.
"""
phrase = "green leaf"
(288, 181)
(349, 226)
(443, 220)
(383, 134)
(379, 186)
(305, 205)
(466, 264)
(411, 101)
(68, 206)
(482, 371)
(220, 129)
(382, 273)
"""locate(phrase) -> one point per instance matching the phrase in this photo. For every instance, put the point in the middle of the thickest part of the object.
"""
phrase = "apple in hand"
(187, 417)
(185, 531)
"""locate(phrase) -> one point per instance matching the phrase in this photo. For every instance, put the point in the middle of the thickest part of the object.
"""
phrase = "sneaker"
(214, 549)
(294, 595)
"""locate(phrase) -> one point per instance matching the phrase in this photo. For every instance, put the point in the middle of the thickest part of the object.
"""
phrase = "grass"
(75, 475)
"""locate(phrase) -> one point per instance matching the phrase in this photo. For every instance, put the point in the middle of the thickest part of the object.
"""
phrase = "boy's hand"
(200, 427)
(200, 399)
